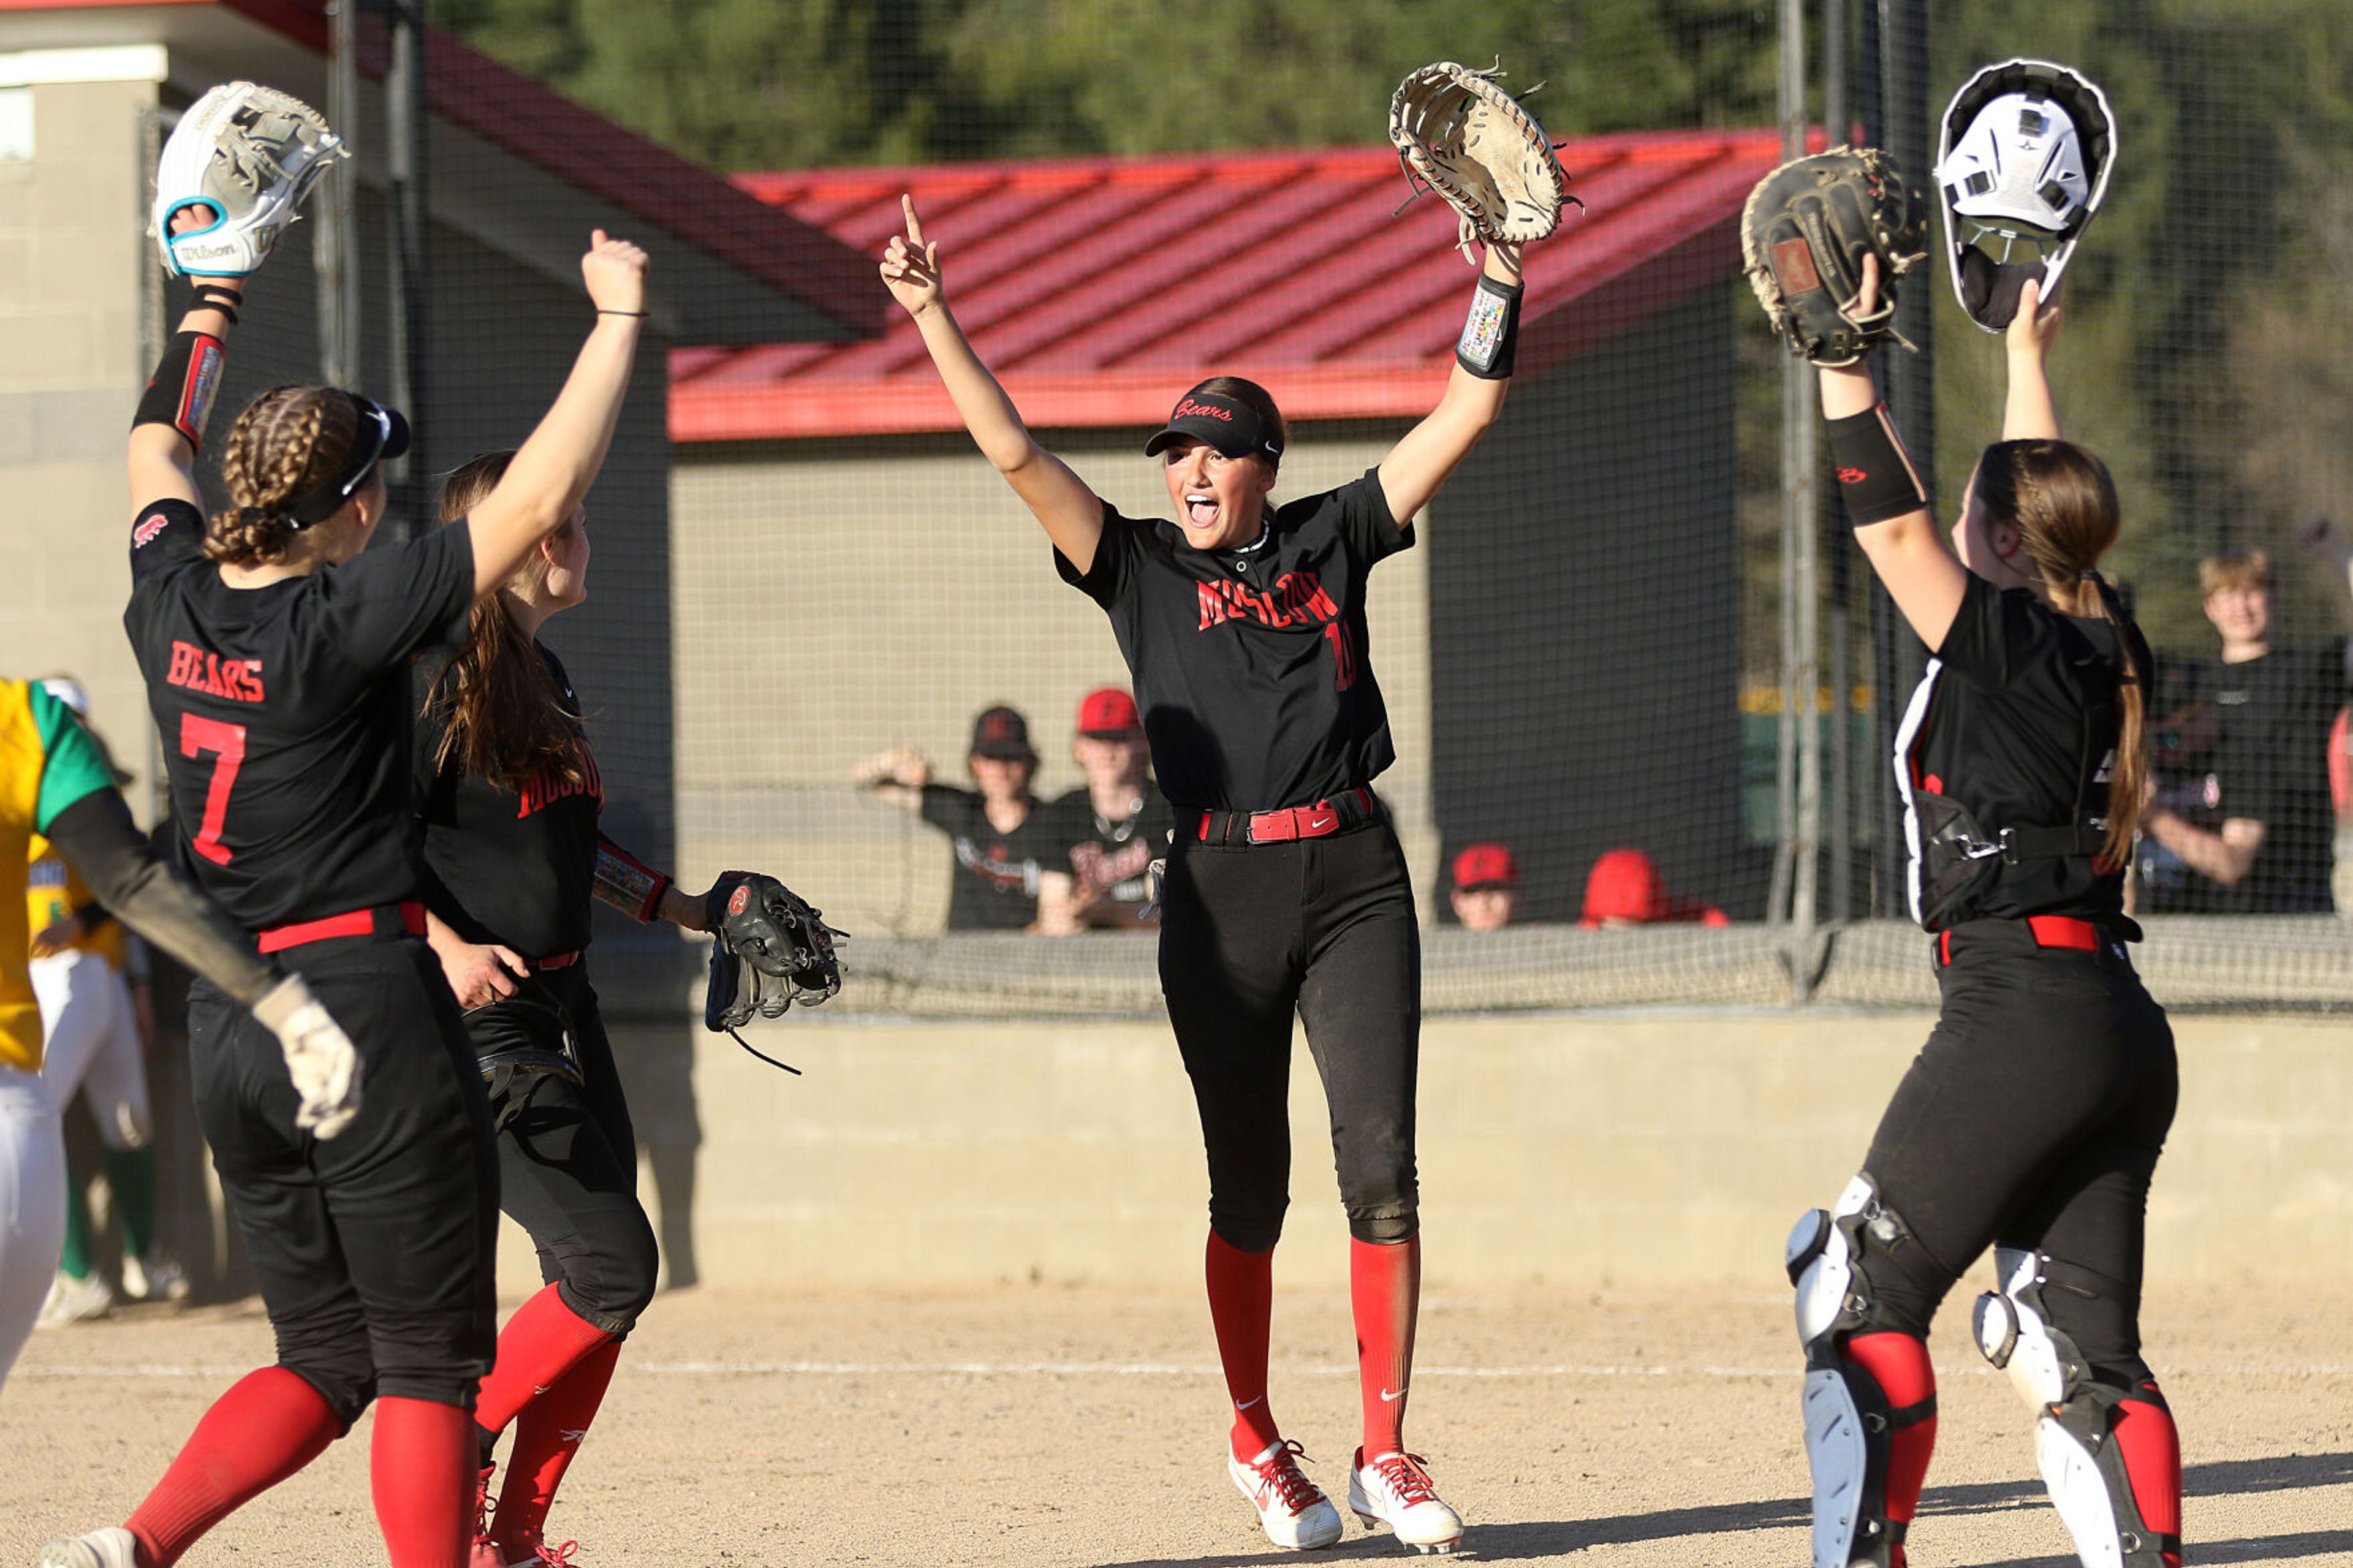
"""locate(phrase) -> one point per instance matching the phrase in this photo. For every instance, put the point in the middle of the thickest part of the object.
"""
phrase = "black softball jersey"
(1251, 665)
(513, 867)
(2003, 759)
(284, 712)
(994, 885)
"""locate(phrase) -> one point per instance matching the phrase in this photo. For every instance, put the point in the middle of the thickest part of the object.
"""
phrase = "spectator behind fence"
(2255, 834)
(1625, 889)
(1486, 887)
(1009, 847)
(1121, 821)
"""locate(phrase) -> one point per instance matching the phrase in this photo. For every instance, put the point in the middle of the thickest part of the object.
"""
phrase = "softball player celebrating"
(276, 649)
(2032, 1119)
(510, 794)
(1243, 625)
(56, 782)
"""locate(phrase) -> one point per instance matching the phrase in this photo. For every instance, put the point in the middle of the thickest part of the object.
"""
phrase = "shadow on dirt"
(1504, 1542)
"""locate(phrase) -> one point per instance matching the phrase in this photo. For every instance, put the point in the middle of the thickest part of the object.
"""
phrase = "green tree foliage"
(771, 84)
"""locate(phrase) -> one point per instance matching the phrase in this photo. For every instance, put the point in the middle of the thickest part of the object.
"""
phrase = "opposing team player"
(510, 794)
(2033, 1119)
(55, 782)
(92, 1045)
(1243, 625)
(276, 649)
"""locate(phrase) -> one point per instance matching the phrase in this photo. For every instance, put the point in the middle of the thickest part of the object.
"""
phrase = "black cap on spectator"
(1002, 733)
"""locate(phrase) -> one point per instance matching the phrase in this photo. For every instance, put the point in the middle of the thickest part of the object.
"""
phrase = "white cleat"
(155, 1277)
(72, 1300)
(1291, 1509)
(1395, 1491)
(113, 1547)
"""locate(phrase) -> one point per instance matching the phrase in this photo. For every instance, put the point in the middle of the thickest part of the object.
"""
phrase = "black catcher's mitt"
(1804, 234)
(773, 950)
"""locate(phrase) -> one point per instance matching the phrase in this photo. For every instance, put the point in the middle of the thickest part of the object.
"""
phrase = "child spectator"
(1120, 819)
(1008, 847)
(1486, 887)
(1625, 889)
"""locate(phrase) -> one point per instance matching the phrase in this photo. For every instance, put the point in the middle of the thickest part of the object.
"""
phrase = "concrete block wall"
(72, 268)
(1634, 1150)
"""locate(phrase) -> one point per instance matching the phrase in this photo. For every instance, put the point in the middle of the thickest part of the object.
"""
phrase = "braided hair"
(2063, 505)
(289, 441)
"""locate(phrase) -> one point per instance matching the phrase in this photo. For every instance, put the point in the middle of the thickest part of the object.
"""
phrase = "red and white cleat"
(1291, 1509)
(1395, 1491)
(485, 1552)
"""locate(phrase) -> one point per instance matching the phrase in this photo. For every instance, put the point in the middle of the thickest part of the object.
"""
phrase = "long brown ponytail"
(2063, 503)
(289, 441)
(506, 719)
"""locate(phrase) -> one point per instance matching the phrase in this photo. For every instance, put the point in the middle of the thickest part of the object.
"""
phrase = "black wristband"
(1876, 476)
(638, 313)
(1491, 333)
(213, 296)
(181, 392)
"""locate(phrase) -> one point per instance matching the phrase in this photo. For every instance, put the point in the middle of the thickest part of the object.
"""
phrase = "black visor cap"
(1233, 429)
(383, 433)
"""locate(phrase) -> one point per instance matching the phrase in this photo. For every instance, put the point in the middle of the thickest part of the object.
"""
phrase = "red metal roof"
(1097, 287)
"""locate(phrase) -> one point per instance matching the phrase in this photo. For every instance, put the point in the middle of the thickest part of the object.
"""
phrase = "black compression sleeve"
(181, 392)
(1876, 475)
(96, 836)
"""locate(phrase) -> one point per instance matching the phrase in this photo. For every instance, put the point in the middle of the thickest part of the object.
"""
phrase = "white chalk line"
(168, 1370)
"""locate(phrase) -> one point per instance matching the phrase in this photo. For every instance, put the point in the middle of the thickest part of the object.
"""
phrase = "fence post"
(1799, 783)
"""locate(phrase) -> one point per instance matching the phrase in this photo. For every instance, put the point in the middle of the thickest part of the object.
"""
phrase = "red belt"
(1321, 820)
(2049, 931)
(557, 961)
(373, 922)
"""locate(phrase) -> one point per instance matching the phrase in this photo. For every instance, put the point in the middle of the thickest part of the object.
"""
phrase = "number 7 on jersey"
(198, 735)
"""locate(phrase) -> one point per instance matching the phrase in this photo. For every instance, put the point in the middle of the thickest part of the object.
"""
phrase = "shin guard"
(2092, 1438)
(1853, 1423)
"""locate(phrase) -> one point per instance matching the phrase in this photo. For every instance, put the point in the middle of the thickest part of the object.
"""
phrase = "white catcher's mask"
(2022, 165)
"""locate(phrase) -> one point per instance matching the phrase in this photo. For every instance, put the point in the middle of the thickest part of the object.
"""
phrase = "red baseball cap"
(1485, 866)
(1109, 714)
(1624, 886)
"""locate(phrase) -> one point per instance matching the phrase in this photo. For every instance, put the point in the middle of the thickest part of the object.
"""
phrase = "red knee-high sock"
(544, 1341)
(1241, 1310)
(270, 1425)
(1385, 1290)
(2151, 1447)
(422, 1472)
(547, 1434)
(1900, 1365)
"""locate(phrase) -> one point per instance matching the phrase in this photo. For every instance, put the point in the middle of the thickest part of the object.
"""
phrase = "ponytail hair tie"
(254, 516)
(2090, 575)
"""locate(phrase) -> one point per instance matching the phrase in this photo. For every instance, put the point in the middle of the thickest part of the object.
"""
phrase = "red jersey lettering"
(550, 787)
(200, 669)
(1295, 597)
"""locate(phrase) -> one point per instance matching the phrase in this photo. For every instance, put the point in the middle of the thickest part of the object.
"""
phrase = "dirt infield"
(1043, 1426)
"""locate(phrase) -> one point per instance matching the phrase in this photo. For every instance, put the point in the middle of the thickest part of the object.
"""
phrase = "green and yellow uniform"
(48, 762)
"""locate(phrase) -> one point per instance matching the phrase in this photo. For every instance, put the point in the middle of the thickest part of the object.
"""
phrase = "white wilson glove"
(250, 154)
(320, 1058)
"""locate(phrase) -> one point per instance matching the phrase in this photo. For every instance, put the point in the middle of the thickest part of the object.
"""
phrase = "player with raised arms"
(2033, 1119)
(510, 797)
(276, 649)
(1243, 625)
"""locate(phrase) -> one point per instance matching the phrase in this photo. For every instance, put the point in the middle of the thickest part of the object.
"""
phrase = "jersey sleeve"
(167, 534)
(1360, 510)
(944, 806)
(1116, 552)
(1984, 634)
(72, 766)
(385, 604)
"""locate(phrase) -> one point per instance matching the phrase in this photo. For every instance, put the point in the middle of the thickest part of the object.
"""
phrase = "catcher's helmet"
(2022, 165)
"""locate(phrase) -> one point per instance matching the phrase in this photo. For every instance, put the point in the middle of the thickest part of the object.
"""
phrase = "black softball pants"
(2032, 1119)
(568, 1171)
(376, 1249)
(1323, 927)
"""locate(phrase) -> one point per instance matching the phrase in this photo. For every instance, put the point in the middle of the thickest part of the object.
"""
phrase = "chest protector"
(1962, 860)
